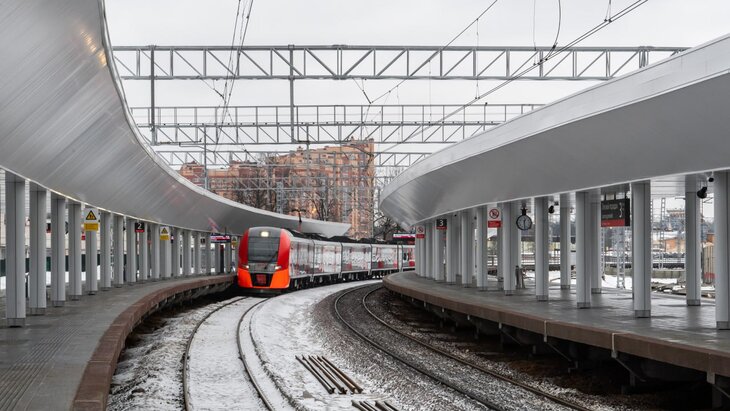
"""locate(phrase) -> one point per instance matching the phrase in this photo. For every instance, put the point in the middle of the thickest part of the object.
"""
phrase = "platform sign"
(616, 213)
(420, 231)
(442, 223)
(494, 218)
(220, 238)
(91, 219)
(139, 227)
(165, 233)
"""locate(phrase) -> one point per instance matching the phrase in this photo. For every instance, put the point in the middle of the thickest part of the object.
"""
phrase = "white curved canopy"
(64, 124)
(666, 119)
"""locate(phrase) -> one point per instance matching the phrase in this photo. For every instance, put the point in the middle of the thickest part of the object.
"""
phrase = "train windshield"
(263, 248)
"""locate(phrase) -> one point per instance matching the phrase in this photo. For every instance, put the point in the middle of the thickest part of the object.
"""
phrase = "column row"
(148, 251)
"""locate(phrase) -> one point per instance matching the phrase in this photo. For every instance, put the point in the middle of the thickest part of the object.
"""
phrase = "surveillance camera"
(551, 209)
(702, 193)
(711, 179)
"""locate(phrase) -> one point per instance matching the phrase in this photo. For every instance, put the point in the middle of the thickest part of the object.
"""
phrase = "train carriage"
(277, 259)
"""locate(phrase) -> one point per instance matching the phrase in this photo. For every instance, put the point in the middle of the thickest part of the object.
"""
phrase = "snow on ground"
(216, 376)
(149, 374)
(283, 329)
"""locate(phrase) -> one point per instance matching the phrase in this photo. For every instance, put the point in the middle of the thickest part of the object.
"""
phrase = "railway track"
(479, 397)
(245, 360)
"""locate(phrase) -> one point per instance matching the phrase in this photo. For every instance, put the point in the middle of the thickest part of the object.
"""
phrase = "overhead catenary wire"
(625, 11)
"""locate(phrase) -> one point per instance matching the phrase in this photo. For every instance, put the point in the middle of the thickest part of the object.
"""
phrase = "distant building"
(330, 183)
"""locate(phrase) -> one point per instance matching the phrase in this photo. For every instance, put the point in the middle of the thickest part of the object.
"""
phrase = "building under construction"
(329, 183)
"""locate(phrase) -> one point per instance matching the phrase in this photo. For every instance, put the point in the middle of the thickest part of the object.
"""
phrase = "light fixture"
(702, 192)
(551, 209)
(264, 234)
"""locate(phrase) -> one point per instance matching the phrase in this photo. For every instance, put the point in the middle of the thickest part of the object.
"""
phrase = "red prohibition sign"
(494, 213)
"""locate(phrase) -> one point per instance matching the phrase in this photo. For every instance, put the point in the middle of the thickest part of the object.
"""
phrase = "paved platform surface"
(42, 364)
(675, 333)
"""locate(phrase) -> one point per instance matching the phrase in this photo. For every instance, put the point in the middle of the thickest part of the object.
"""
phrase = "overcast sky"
(399, 22)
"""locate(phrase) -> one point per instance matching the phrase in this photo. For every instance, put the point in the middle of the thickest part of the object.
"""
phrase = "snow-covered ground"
(216, 376)
(149, 374)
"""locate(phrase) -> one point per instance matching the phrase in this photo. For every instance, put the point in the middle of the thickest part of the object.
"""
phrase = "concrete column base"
(91, 293)
(466, 285)
(450, 282)
(642, 313)
(16, 322)
(483, 289)
(37, 311)
(118, 285)
(508, 292)
(693, 303)
(541, 297)
(58, 303)
(74, 297)
(584, 305)
(105, 288)
(596, 290)
(723, 325)
(565, 287)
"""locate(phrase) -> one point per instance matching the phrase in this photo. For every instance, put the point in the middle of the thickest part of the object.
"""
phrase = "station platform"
(675, 333)
(65, 359)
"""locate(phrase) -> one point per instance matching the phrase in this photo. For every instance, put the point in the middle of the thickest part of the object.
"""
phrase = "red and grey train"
(278, 259)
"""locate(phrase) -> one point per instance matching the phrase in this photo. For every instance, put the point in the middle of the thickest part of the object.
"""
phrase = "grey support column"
(74, 250)
(176, 252)
(58, 250)
(106, 250)
(227, 257)
(500, 250)
(481, 246)
(154, 251)
(14, 250)
(186, 253)
(131, 265)
(197, 267)
(144, 252)
(582, 248)
(451, 240)
(166, 256)
(542, 243)
(118, 245)
(438, 254)
(92, 272)
(37, 277)
(722, 250)
(516, 244)
(508, 231)
(212, 256)
(641, 247)
(595, 241)
(565, 243)
(464, 249)
(428, 251)
(693, 242)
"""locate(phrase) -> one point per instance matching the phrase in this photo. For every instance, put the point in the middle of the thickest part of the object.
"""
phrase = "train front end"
(264, 259)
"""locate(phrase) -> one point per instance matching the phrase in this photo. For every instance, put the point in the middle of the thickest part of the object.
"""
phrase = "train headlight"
(264, 234)
(245, 266)
(278, 267)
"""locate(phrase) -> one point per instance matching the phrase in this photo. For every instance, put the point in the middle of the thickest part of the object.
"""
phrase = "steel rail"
(488, 403)
(188, 344)
(461, 360)
(244, 361)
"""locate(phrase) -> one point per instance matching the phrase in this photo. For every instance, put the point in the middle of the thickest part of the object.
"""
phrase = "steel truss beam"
(340, 62)
(223, 158)
(336, 124)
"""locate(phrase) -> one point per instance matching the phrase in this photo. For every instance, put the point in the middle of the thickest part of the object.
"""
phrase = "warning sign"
(420, 231)
(494, 218)
(165, 233)
(234, 241)
(91, 219)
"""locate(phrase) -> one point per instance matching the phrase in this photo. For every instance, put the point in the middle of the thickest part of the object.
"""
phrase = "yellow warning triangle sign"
(164, 230)
(91, 216)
